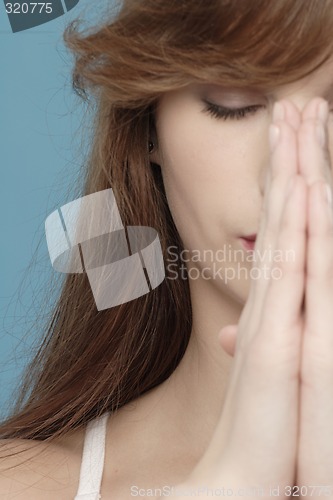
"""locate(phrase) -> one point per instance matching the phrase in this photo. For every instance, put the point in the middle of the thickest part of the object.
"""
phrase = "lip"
(249, 241)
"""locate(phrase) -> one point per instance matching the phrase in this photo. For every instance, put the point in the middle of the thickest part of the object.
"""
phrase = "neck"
(187, 406)
(197, 387)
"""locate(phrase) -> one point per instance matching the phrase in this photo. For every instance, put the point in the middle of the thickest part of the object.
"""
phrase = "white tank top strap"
(92, 459)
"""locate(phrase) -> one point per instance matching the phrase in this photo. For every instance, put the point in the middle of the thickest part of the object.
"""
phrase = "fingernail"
(320, 134)
(274, 135)
(278, 112)
(323, 111)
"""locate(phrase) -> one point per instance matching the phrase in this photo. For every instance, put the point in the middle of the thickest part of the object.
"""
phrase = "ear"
(154, 156)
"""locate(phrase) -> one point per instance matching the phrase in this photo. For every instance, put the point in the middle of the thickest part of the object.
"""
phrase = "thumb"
(227, 338)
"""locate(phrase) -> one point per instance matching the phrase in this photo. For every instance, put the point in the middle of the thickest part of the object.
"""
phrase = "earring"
(151, 147)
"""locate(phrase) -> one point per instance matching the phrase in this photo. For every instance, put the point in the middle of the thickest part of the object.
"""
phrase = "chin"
(235, 290)
(239, 292)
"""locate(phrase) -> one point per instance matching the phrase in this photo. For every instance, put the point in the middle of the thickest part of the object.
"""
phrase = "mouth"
(249, 241)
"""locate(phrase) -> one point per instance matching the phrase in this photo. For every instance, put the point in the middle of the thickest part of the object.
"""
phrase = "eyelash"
(221, 112)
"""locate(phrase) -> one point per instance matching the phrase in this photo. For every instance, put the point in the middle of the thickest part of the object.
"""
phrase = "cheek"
(203, 170)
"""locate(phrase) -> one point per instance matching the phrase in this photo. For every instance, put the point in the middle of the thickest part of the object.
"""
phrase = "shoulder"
(35, 470)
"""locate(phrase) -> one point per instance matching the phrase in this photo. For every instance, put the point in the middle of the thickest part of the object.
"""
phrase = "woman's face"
(214, 172)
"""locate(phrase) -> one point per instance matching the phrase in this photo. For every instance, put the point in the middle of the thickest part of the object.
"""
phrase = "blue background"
(43, 148)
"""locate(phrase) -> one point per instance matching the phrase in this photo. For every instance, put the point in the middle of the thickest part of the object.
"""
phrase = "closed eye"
(221, 112)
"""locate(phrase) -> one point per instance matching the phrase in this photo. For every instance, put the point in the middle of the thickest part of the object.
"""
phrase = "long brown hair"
(93, 361)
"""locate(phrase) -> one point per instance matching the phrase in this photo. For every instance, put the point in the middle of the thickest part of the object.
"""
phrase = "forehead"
(319, 81)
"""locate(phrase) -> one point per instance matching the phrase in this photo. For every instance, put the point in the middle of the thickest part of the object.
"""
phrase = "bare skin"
(314, 463)
(254, 391)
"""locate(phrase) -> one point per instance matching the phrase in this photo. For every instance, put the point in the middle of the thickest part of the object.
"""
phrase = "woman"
(219, 377)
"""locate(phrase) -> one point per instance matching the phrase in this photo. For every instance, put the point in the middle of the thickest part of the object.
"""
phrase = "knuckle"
(320, 272)
(278, 270)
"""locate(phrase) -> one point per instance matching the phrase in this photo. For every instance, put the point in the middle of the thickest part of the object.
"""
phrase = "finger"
(314, 155)
(293, 115)
(315, 456)
(227, 338)
(283, 168)
(285, 292)
(263, 382)
(284, 163)
(318, 341)
(266, 364)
